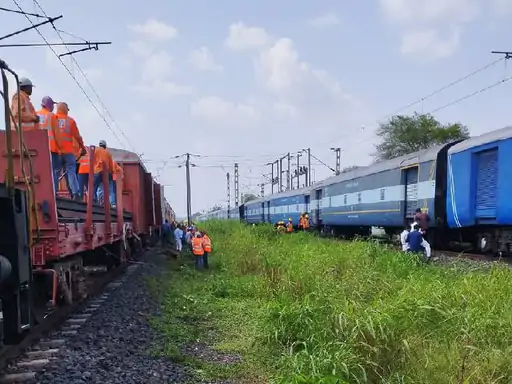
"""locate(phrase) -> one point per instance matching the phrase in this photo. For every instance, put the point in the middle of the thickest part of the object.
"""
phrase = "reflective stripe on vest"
(197, 247)
(45, 122)
(65, 129)
(207, 244)
(85, 162)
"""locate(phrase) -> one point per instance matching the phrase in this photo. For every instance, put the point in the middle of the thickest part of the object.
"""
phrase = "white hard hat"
(25, 82)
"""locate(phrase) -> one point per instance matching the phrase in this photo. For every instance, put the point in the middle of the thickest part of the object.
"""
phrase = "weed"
(301, 309)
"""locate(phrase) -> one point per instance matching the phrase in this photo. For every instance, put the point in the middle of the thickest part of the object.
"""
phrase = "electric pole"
(229, 193)
(338, 159)
(298, 170)
(236, 186)
(272, 179)
(281, 174)
(288, 174)
(508, 54)
(308, 181)
(189, 200)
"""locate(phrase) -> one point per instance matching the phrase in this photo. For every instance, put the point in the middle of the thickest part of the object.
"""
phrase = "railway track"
(471, 256)
(20, 363)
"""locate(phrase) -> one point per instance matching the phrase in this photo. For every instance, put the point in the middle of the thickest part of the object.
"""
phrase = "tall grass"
(309, 310)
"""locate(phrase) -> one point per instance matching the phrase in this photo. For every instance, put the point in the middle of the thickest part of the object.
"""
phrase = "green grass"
(300, 309)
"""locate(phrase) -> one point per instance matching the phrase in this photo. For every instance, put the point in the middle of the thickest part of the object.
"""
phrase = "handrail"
(9, 172)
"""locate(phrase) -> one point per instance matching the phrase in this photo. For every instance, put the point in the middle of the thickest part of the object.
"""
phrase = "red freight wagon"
(157, 198)
(134, 191)
(62, 230)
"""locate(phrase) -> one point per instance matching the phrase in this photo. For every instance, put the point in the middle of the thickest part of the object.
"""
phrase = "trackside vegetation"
(302, 309)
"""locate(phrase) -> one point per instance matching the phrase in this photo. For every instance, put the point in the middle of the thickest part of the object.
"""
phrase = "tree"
(405, 134)
(216, 207)
(248, 197)
(350, 168)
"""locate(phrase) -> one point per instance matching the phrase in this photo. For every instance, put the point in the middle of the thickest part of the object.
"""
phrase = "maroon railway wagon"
(66, 235)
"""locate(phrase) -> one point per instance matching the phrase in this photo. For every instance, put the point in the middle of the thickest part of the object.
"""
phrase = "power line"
(430, 95)
(473, 94)
(443, 88)
(87, 81)
(72, 76)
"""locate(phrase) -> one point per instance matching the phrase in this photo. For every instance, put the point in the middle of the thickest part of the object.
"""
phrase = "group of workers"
(70, 157)
(195, 240)
(413, 237)
(288, 228)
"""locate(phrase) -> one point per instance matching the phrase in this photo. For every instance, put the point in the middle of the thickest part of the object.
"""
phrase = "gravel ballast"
(114, 345)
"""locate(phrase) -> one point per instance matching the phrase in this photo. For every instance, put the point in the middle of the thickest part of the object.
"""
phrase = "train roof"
(293, 192)
(124, 156)
(486, 138)
(381, 166)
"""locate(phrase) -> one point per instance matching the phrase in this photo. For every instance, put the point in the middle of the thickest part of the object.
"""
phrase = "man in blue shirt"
(417, 243)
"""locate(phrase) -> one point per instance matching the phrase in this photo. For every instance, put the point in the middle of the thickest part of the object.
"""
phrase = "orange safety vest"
(65, 132)
(28, 108)
(85, 162)
(207, 244)
(197, 246)
(306, 223)
(289, 227)
(45, 123)
(117, 170)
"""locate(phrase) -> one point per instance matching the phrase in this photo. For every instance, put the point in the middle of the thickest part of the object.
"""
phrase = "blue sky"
(248, 81)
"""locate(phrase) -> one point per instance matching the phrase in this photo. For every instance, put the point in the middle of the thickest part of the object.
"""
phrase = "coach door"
(268, 212)
(486, 184)
(262, 212)
(411, 191)
(317, 205)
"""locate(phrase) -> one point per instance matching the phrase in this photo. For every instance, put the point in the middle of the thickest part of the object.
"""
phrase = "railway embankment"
(301, 309)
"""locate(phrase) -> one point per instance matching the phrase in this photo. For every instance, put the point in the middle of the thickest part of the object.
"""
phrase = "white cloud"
(433, 27)
(430, 44)
(430, 11)
(242, 37)
(214, 108)
(280, 67)
(202, 59)
(329, 19)
(155, 30)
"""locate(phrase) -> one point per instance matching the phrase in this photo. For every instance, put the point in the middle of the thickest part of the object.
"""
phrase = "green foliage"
(248, 197)
(301, 309)
(405, 134)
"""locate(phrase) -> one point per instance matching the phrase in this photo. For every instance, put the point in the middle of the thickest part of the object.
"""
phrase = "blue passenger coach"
(479, 189)
(383, 194)
(287, 205)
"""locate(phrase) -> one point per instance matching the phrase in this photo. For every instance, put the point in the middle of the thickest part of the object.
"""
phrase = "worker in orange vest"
(48, 121)
(198, 251)
(306, 222)
(289, 226)
(207, 247)
(69, 131)
(102, 161)
(21, 103)
(84, 163)
(116, 174)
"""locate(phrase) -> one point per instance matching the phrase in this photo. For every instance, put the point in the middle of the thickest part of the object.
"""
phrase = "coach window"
(359, 197)
(382, 194)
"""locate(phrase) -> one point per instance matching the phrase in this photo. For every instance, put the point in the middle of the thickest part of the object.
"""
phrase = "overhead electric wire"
(430, 95)
(93, 89)
(72, 76)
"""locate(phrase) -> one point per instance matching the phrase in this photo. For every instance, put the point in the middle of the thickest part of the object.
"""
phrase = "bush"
(308, 310)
